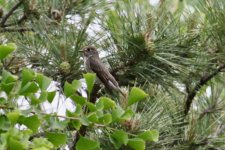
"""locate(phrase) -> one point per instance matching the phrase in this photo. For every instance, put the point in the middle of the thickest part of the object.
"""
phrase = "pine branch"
(24, 17)
(5, 18)
(204, 79)
(15, 29)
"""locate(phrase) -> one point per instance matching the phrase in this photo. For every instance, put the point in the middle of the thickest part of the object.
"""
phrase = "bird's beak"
(81, 51)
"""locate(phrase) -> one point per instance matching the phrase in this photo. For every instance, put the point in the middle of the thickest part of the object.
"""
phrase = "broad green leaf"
(43, 97)
(7, 87)
(51, 96)
(136, 95)
(34, 99)
(3, 100)
(76, 84)
(30, 87)
(13, 116)
(106, 119)
(91, 106)
(116, 144)
(87, 144)
(136, 144)
(84, 120)
(32, 123)
(2, 2)
(43, 81)
(78, 110)
(107, 102)
(27, 75)
(120, 136)
(78, 99)
(127, 114)
(69, 89)
(4, 123)
(76, 124)
(6, 49)
(151, 135)
(117, 113)
(56, 139)
(90, 80)
(41, 144)
(15, 144)
(7, 77)
(93, 117)
(99, 105)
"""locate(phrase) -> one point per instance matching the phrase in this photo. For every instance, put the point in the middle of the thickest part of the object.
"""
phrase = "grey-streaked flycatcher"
(93, 63)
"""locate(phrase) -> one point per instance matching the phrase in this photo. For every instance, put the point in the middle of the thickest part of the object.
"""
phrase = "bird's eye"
(88, 49)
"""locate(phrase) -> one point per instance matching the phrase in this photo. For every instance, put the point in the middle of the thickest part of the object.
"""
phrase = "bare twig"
(5, 107)
(24, 17)
(4, 19)
(59, 116)
(15, 29)
(204, 79)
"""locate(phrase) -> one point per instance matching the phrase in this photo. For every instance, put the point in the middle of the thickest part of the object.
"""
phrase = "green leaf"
(41, 144)
(43, 97)
(151, 135)
(107, 102)
(136, 95)
(56, 139)
(69, 89)
(51, 96)
(78, 109)
(15, 144)
(30, 87)
(4, 123)
(2, 2)
(76, 124)
(84, 120)
(91, 106)
(106, 119)
(76, 84)
(13, 116)
(127, 115)
(120, 136)
(7, 77)
(90, 80)
(136, 144)
(87, 144)
(93, 117)
(43, 81)
(34, 99)
(27, 75)
(78, 99)
(32, 123)
(117, 113)
(5, 50)
(7, 87)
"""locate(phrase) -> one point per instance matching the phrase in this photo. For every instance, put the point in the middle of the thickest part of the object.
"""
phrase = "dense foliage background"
(173, 50)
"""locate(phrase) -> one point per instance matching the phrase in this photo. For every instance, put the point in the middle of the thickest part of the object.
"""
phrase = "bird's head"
(89, 51)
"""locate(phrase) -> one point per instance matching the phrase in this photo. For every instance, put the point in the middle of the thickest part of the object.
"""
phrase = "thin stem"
(5, 18)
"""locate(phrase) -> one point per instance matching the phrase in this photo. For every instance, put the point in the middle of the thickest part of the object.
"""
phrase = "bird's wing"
(103, 73)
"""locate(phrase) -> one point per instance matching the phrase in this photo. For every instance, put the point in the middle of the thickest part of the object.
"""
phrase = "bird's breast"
(87, 64)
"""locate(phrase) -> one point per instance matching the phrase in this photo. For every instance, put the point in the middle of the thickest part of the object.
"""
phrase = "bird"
(93, 64)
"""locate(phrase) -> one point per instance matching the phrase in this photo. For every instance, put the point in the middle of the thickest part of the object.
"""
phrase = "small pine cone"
(65, 67)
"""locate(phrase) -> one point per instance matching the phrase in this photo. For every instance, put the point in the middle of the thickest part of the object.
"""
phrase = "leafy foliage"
(99, 116)
(173, 50)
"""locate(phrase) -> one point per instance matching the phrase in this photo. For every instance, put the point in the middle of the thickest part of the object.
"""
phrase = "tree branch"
(15, 29)
(4, 19)
(204, 79)
(83, 129)
(24, 17)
